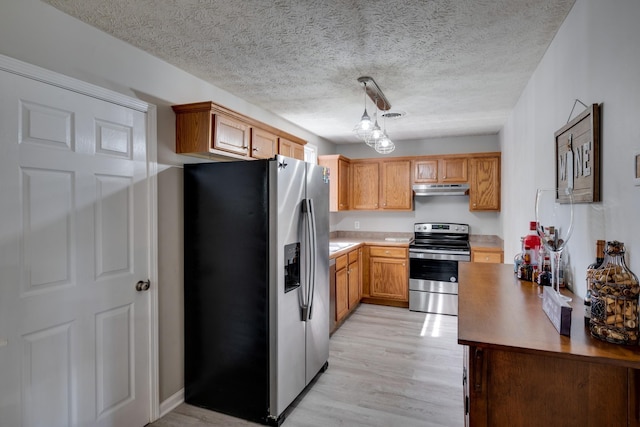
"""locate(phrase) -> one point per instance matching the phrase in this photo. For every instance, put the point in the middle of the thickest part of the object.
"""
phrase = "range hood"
(441, 189)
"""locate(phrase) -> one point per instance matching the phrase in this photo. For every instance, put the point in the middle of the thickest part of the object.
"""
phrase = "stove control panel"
(441, 227)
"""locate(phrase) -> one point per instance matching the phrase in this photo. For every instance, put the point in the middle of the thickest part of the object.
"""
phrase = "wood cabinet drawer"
(341, 262)
(387, 252)
(353, 256)
(490, 256)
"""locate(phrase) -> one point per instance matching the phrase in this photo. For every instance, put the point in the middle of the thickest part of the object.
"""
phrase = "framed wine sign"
(577, 146)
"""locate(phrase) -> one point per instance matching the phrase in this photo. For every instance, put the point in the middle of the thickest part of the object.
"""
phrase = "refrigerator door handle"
(310, 221)
(314, 252)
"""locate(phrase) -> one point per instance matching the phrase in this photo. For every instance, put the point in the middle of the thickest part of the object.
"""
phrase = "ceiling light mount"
(375, 93)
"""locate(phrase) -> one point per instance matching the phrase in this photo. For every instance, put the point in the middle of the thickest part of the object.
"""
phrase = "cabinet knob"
(255, 149)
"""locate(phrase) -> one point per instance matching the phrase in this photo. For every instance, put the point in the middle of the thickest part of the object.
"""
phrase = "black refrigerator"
(256, 284)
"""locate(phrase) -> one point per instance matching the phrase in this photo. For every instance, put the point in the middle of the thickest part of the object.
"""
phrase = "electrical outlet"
(357, 225)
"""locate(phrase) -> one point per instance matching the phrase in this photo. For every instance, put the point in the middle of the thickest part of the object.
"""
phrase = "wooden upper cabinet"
(291, 149)
(396, 185)
(440, 170)
(453, 170)
(209, 130)
(230, 135)
(339, 171)
(365, 185)
(484, 183)
(381, 184)
(264, 145)
(425, 171)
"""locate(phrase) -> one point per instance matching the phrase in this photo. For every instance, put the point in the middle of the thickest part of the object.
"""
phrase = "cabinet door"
(453, 170)
(297, 151)
(291, 149)
(447, 170)
(389, 278)
(339, 169)
(365, 178)
(425, 171)
(354, 279)
(484, 186)
(343, 184)
(396, 185)
(342, 294)
(263, 144)
(230, 135)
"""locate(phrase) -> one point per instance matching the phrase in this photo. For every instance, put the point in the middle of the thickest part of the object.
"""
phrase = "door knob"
(143, 285)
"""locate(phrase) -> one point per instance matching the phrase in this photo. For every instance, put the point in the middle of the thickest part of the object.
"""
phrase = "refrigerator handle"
(314, 256)
(309, 287)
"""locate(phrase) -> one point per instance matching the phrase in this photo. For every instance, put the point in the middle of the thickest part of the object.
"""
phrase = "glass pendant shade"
(374, 136)
(385, 145)
(364, 126)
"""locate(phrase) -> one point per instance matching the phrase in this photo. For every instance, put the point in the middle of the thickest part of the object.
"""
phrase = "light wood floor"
(387, 367)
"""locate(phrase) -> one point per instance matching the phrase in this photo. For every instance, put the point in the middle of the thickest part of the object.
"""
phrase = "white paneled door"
(74, 332)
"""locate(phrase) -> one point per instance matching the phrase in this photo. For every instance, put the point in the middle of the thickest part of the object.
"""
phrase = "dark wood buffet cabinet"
(518, 371)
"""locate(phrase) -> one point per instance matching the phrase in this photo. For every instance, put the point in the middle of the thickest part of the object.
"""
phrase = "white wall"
(438, 208)
(595, 57)
(34, 32)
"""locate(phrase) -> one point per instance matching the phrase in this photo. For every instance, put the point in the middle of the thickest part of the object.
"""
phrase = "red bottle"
(533, 241)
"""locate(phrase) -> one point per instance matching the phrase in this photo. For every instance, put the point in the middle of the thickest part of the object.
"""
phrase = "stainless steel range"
(433, 270)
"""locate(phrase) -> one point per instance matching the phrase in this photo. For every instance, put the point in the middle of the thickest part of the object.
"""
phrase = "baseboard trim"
(172, 402)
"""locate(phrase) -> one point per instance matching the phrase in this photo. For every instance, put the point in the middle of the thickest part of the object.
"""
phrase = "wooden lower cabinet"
(511, 388)
(493, 255)
(347, 282)
(342, 288)
(387, 279)
(353, 279)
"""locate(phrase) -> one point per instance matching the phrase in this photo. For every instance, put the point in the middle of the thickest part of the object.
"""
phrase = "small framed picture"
(636, 159)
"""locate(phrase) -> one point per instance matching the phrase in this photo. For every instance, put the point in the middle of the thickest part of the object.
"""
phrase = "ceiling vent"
(392, 115)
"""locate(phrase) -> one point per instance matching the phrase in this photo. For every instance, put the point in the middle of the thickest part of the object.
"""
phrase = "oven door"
(433, 281)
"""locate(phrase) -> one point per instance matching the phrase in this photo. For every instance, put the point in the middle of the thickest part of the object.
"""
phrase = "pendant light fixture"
(372, 134)
(364, 127)
(384, 145)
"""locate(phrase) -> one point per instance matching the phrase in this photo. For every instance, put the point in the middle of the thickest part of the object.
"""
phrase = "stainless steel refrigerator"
(256, 284)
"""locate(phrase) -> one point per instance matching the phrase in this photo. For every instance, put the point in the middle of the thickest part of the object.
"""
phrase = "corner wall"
(595, 57)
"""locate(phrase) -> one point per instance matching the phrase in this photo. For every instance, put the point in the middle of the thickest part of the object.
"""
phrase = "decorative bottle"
(533, 241)
(590, 272)
(518, 259)
(614, 299)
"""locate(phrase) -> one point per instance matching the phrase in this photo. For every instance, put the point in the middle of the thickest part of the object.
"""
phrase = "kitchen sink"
(334, 247)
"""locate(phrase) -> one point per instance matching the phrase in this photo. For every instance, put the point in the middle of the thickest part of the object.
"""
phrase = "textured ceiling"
(455, 67)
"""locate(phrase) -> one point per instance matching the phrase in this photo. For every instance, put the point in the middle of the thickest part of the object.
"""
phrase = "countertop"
(369, 238)
(490, 242)
(496, 310)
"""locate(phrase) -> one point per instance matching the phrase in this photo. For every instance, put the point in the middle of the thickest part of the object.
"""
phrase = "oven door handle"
(436, 255)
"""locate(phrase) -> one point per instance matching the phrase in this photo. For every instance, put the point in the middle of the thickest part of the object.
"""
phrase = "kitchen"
(598, 36)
